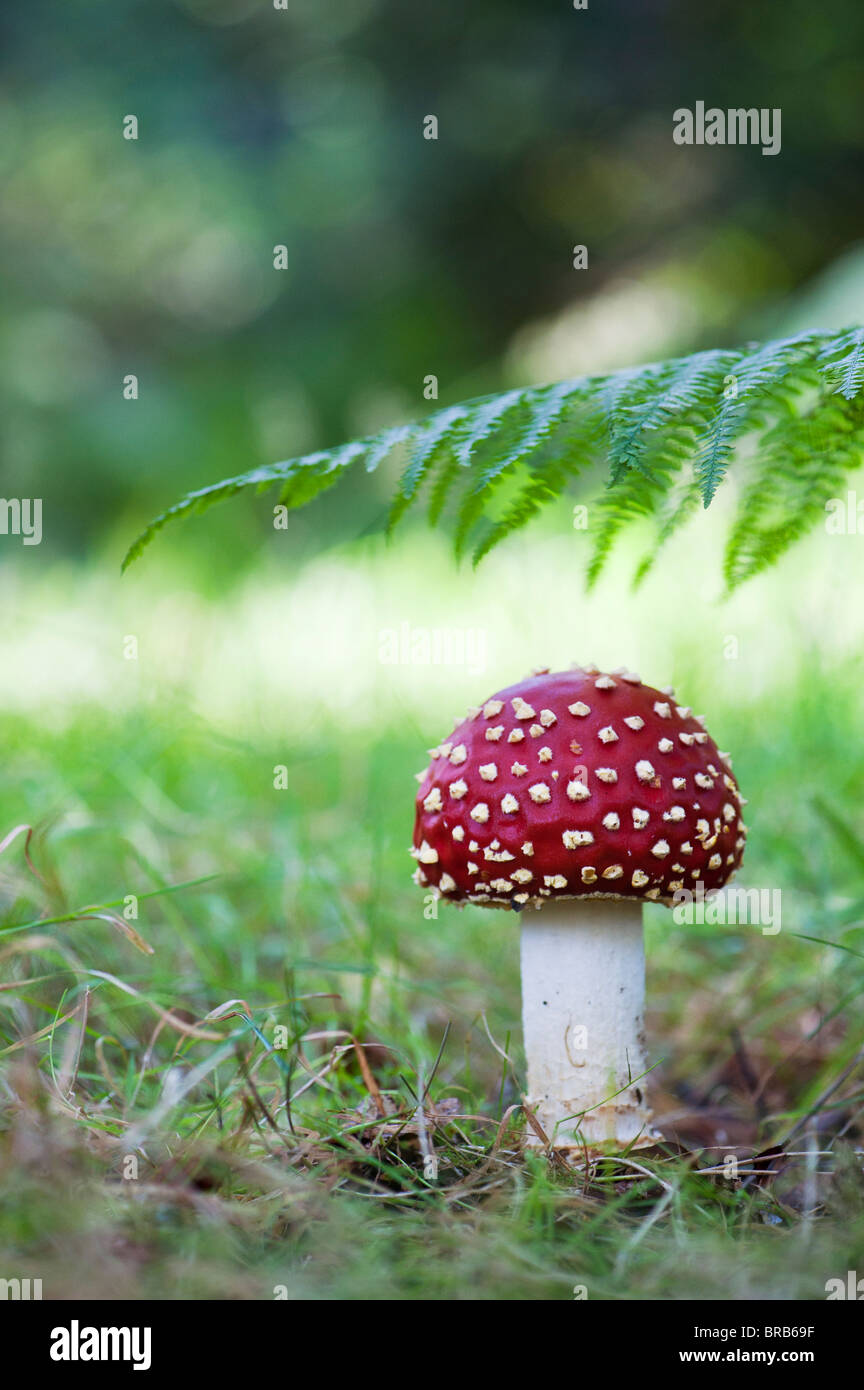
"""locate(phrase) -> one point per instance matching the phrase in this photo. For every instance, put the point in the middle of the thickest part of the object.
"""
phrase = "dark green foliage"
(787, 414)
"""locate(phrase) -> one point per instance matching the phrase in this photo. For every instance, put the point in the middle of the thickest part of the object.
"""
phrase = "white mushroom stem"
(583, 998)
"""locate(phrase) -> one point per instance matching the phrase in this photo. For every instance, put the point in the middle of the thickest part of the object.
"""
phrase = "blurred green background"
(303, 128)
(256, 648)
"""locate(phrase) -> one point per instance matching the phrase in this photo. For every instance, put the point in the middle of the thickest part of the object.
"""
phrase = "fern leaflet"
(670, 431)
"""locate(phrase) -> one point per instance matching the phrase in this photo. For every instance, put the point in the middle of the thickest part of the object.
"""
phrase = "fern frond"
(541, 412)
(442, 485)
(625, 413)
(636, 497)
(669, 431)
(552, 465)
(680, 503)
(633, 499)
(848, 372)
(542, 488)
(692, 381)
(797, 471)
(430, 440)
(766, 369)
(670, 448)
(307, 477)
(482, 422)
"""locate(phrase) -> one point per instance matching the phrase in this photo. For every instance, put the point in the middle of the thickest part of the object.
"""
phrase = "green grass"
(299, 909)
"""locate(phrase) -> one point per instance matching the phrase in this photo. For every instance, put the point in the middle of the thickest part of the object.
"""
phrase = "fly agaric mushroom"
(584, 795)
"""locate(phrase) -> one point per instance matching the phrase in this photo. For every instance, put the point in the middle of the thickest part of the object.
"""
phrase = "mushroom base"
(583, 994)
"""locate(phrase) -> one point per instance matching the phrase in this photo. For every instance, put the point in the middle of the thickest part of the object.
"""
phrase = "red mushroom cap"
(577, 784)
